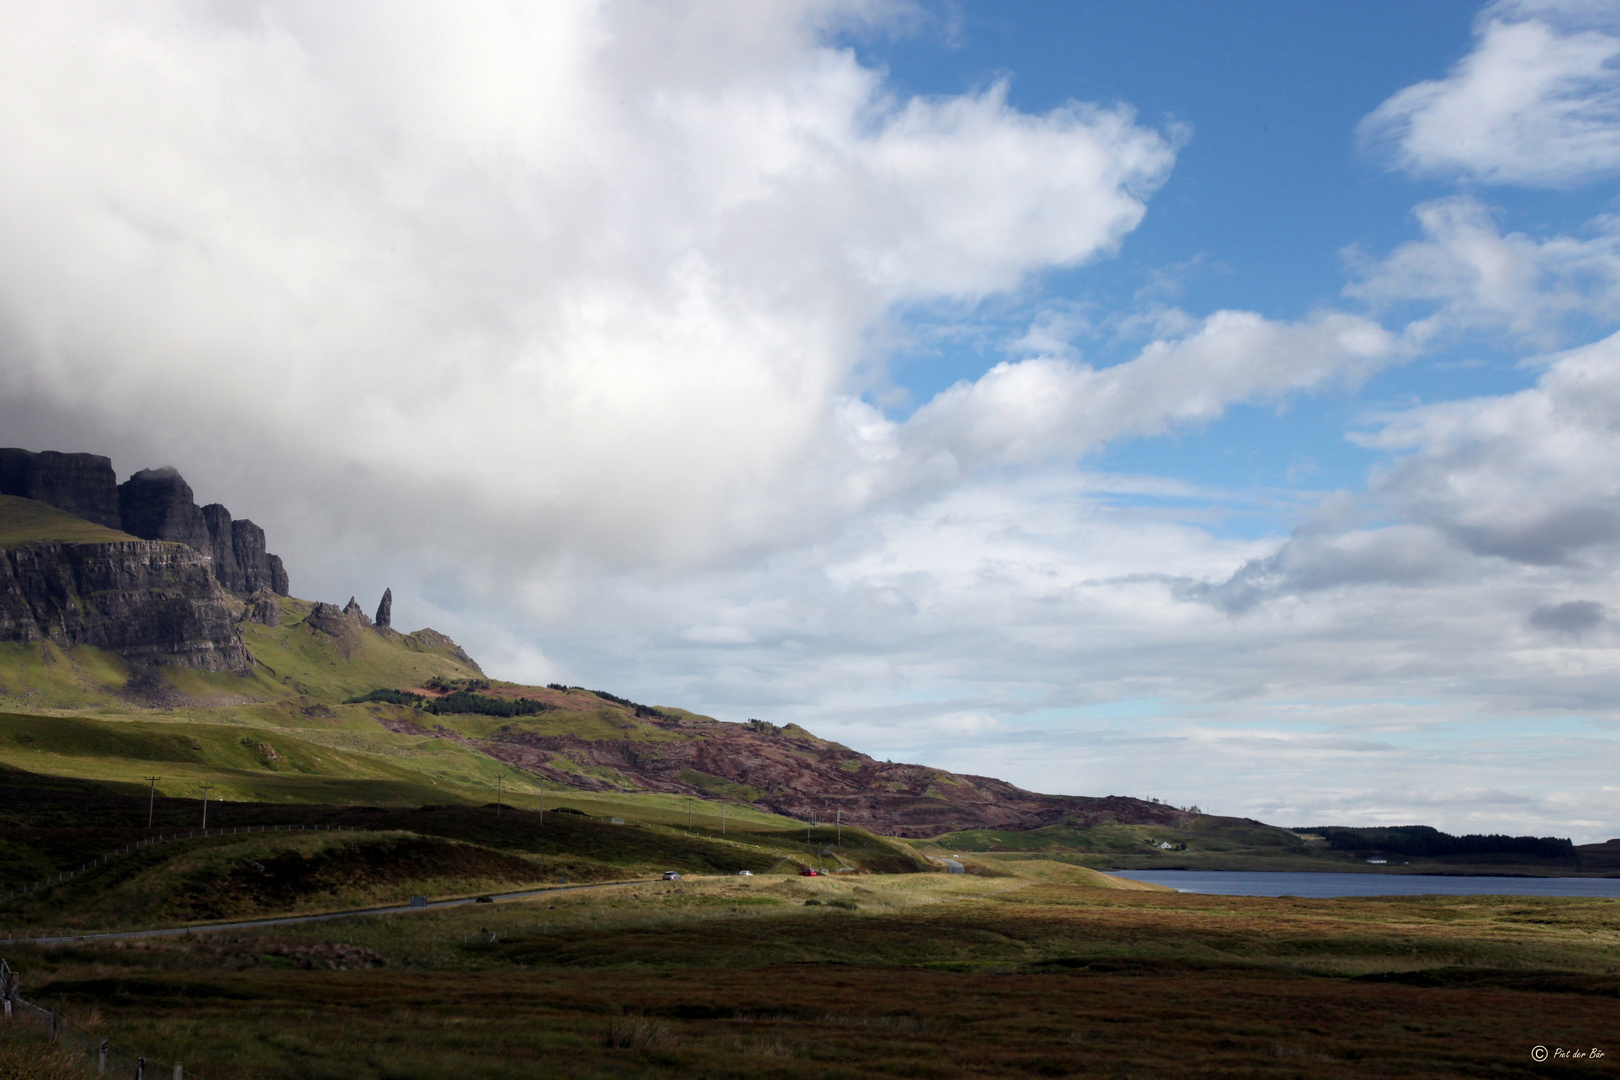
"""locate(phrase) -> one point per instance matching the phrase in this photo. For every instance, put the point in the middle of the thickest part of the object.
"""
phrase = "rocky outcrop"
(84, 485)
(433, 641)
(385, 610)
(149, 602)
(352, 610)
(264, 608)
(240, 561)
(328, 619)
(157, 504)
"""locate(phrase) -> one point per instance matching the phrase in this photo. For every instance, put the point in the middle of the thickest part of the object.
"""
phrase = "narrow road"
(952, 866)
(288, 920)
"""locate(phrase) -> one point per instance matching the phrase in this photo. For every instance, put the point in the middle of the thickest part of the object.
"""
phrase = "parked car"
(809, 872)
(745, 873)
(672, 875)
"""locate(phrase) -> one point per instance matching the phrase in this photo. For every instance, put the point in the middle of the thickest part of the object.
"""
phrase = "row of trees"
(1426, 842)
(646, 711)
(462, 701)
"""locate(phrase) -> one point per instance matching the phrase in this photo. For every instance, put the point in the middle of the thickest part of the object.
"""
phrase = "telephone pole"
(840, 828)
(498, 780)
(205, 788)
(151, 797)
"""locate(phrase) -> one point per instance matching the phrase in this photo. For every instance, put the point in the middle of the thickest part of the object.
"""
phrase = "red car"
(807, 872)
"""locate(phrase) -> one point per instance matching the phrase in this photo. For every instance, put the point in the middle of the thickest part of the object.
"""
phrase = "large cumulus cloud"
(555, 271)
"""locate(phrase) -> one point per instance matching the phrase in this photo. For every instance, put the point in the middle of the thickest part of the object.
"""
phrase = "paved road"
(953, 867)
(288, 920)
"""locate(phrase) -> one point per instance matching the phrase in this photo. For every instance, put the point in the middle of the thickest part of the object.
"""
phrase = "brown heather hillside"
(585, 740)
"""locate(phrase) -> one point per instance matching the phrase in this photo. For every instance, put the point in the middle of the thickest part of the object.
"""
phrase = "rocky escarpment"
(84, 485)
(153, 504)
(149, 602)
(157, 504)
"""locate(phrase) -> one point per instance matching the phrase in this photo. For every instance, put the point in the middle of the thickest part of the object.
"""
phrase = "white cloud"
(1519, 489)
(1036, 409)
(1479, 279)
(520, 280)
(1536, 103)
(1531, 477)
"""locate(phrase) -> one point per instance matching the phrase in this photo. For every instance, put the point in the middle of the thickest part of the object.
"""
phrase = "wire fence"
(100, 1054)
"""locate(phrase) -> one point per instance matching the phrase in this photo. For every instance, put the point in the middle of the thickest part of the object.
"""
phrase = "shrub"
(636, 1033)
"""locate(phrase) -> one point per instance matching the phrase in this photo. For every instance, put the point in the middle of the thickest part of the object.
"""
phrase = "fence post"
(140, 1069)
(179, 1073)
(55, 1019)
(101, 1059)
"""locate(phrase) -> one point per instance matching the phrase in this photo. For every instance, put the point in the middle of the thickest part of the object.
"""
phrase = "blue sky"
(1270, 189)
(1213, 402)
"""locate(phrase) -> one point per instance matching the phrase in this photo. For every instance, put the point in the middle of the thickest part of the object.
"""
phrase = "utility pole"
(840, 828)
(722, 819)
(689, 813)
(541, 784)
(498, 780)
(151, 797)
(205, 788)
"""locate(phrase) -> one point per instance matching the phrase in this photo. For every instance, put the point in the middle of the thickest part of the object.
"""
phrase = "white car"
(672, 875)
(745, 873)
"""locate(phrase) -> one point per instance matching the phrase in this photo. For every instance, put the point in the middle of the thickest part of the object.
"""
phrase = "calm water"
(1231, 883)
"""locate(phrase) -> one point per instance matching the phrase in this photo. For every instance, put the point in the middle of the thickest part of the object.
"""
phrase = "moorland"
(1020, 967)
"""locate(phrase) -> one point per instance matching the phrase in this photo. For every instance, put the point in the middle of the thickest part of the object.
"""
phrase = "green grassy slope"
(306, 661)
(336, 857)
(24, 521)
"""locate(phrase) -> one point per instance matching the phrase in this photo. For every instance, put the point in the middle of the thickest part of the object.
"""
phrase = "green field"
(26, 521)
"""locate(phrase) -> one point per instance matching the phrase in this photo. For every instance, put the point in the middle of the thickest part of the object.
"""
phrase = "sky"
(1211, 403)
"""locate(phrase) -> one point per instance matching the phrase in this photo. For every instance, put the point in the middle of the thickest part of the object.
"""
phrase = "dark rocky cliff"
(157, 504)
(240, 562)
(84, 485)
(153, 504)
(150, 602)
